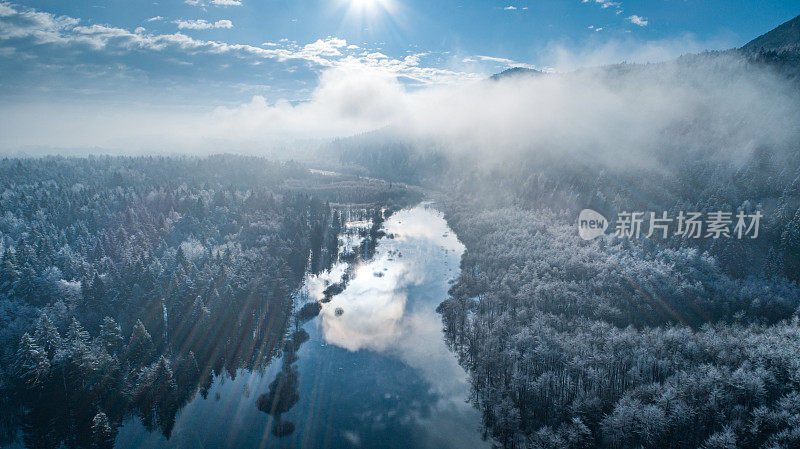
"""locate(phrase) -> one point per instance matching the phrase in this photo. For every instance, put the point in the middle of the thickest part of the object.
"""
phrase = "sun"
(369, 19)
(370, 10)
(365, 4)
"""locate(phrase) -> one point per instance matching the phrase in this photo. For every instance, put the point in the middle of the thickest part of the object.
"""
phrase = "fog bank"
(702, 103)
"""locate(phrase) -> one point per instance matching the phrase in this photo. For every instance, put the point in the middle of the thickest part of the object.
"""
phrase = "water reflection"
(373, 372)
(389, 306)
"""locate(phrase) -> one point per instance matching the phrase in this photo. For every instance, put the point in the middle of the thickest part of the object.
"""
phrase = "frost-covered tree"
(140, 345)
(111, 335)
(102, 435)
(32, 364)
(47, 336)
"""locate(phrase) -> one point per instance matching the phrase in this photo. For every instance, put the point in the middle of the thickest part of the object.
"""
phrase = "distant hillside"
(515, 71)
(783, 38)
(780, 46)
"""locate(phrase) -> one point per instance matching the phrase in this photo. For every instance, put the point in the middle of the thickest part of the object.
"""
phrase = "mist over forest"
(619, 342)
(133, 287)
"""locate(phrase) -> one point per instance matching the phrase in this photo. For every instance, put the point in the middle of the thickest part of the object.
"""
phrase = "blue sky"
(228, 50)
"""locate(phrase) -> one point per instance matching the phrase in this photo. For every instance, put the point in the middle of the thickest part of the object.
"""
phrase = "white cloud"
(155, 19)
(41, 29)
(6, 10)
(510, 8)
(495, 62)
(201, 3)
(638, 20)
(325, 47)
(487, 58)
(412, 60)
(44, 27)
(374, 55)
(202, 24)
(606, 3)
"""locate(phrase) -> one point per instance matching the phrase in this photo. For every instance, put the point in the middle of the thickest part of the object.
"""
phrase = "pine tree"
(46, 335)
(111, 335)
(25, 287)
(9, 273)
(140, 345)
(162, 381)
(790, 243)
(180, 258)
(726, 439)
(76, 334)
(773, 265)
(96, 291)
(102, 436)
(82, 363)
(33, 366)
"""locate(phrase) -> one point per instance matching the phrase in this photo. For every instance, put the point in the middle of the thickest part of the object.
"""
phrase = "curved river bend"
(375, 371)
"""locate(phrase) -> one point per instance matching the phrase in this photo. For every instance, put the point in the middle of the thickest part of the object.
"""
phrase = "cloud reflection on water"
(389, 304)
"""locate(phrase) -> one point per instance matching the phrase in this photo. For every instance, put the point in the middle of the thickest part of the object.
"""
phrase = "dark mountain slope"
(784, 37)
(514, 72)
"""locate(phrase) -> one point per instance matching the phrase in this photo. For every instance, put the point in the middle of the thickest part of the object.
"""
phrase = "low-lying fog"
(697, 103)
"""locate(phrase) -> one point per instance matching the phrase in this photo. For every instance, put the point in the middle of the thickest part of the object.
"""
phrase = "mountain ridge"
(785, 36)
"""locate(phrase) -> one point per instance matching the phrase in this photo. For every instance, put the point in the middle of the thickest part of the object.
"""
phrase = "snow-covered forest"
(127, 284)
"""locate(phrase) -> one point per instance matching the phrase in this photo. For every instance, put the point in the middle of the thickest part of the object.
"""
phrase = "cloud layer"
(31, 35)
(699, 104)
(202, 24)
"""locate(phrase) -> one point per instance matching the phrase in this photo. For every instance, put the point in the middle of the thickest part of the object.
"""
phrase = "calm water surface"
(374, 373)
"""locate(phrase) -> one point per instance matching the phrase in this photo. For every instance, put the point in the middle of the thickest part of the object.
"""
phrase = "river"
(375, 371)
